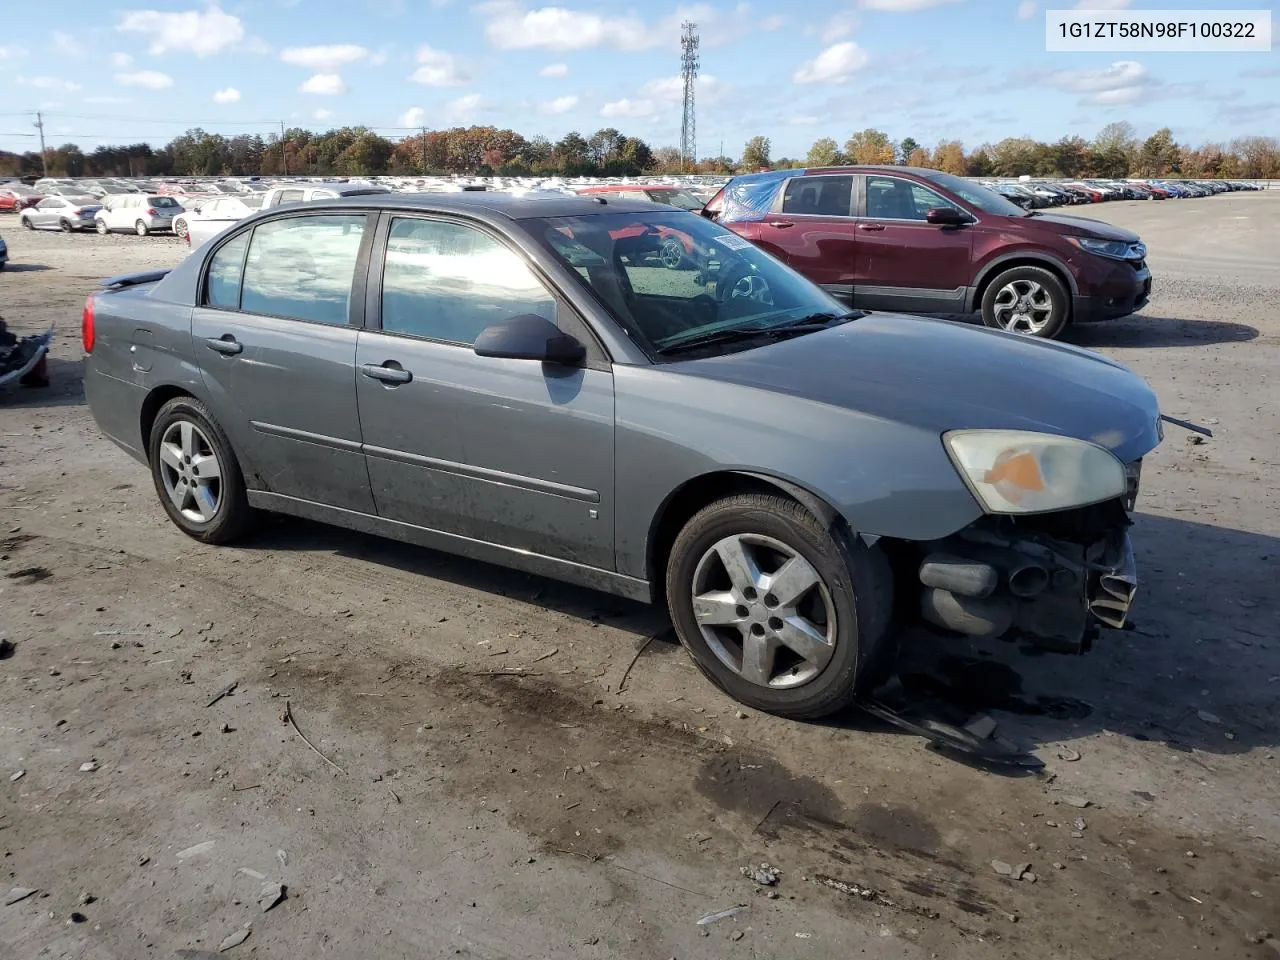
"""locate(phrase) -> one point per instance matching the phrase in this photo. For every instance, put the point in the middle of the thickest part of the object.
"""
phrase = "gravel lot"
(457, 811)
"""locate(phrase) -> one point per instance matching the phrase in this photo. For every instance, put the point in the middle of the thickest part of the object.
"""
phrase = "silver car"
(61, 213)
(524, 382)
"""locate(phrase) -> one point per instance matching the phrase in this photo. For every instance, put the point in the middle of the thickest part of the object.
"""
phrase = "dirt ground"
(445, 807)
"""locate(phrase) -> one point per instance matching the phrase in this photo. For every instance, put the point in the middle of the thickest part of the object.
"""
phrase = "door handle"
(389, 372)
(871, 227)
(226, 344)
(781, 224)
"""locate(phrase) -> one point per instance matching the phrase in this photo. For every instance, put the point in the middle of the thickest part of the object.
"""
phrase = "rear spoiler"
(133, 279)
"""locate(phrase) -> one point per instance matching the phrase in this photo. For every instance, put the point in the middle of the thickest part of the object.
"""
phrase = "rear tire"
(1028, 300)
(180, 228)
(141, 229)
(196, 474)
(803, 652)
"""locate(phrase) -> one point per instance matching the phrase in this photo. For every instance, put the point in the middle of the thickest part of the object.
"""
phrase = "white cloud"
(1102, 4)
(324, 58)
(324, 84)
(323, 114)
(841, 24)
(191, 31)
(121, 61)
(559, 104)
(413, 117)
(229, 95)
(107, 100)
(904, 6)
(628, 108)
(671, 89)
(463, 109)
(554, 70)
(836, 64)
(557, 28)
(65, 45)
(150, 79)
(1026, 9)
(1123, 82)
(438, 69)
(53, 83)
(775, 22)
(12, 53)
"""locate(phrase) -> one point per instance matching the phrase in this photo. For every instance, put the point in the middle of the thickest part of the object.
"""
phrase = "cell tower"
(689, 72)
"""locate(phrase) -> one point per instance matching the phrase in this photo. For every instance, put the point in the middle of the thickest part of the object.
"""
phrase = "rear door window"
(302, 268)
(222, 284)
(819, 196)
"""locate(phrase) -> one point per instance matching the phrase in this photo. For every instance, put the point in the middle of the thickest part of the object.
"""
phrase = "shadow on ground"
(12, 267)
(65, 389)
(1200, 670)
(1146, 331)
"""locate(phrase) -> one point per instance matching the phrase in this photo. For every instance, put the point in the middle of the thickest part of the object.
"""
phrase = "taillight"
(151, 212)
(86, 325)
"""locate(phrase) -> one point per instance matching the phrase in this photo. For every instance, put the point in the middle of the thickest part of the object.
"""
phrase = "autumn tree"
(906, 148)
(949, 157)
(1112, 152)
(1070, 156)
(870, 146)
(1158, 156)
(755, 155)
(823, 153)
(1258, 157)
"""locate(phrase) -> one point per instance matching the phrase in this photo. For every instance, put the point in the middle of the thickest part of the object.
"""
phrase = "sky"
(973, 70)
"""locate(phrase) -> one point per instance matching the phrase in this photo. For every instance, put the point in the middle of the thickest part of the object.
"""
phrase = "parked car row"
(1037, 194)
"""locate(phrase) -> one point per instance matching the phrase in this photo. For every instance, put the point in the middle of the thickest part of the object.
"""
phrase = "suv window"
(290, 196)
(445, 281)
(819, 196)
(892, 198)
(302, 268)
(222, 286)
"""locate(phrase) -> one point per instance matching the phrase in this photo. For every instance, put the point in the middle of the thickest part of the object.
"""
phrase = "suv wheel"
(141, 229)
(773, 610)
(102, 228)
(1027, 300)
(196, 474)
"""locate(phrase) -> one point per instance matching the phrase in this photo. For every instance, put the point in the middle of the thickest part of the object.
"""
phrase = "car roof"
(480, 203)
(619, 187)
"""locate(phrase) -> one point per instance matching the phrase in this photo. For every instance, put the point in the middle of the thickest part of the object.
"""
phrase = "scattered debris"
(1144, 795)
(185, 677)
(14, 778)
(1002, 868)
(87, 898)
(19, 893)
(143, 860)
(982, 726)
(224, 692)
(6, 649)
(1020, 871)
(237, 938)
(1210, 718)
(270, 895)
(764, 874)
(1059, 866)
(282, 857)
(249, 872)
(803, 936)
(76, 917)
(1079, 824)
(1074, 801)
(288, 716)
(723, 914)
(196, 850)
(870, 894)
(1067, 754)
(627, 672)
(89, 766)
(206, 628)
(736, 935)
(547, 656)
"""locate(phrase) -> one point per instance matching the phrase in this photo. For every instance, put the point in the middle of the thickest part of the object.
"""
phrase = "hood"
(1085, 227)
(939, 375)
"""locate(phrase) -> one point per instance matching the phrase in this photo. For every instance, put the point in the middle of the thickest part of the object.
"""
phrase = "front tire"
(65, 226)
(774, 610)
(196, 474)
(1027, 300)
(102, 228)
(26, 223)
(180, 228)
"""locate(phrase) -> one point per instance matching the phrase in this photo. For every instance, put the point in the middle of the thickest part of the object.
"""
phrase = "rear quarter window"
(226, 268)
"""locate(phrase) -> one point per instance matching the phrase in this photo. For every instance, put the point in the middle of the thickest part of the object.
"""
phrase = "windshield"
(161, 202)
(676, 198)
(670, 278)
(988, 201)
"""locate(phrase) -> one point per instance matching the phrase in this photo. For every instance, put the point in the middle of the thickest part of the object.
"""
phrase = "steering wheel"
(740, 283)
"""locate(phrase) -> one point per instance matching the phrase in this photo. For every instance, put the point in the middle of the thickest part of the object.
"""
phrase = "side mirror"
(529, 337)
(946, 217)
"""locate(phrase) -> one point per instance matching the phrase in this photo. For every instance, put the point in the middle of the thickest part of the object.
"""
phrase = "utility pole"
(44, 157)
(284, 155)
(424, 149)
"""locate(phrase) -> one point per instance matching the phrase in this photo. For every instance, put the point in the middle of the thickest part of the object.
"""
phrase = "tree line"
(1116, 151)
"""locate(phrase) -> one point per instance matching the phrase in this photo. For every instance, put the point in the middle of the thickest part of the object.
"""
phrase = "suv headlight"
(1115, 249)
(1016, 471)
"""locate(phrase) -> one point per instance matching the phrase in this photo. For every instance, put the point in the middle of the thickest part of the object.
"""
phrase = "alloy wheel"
(191, 471)
(672, 254)
(752, 287)
(764, 611)
(1023, 306)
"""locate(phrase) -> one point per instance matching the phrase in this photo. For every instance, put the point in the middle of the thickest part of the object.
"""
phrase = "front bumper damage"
(1052, 580)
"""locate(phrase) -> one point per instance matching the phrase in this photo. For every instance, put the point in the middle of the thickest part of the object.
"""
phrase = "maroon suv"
(922, 241)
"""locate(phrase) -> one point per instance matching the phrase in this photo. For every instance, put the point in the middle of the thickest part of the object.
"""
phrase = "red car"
(15, 200)
(676, 250)
(913, 240)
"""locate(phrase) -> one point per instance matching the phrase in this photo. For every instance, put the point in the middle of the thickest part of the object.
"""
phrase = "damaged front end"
(1051, 579)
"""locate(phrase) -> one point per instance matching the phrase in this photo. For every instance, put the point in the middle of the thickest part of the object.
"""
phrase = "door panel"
(284, 385)
(513, 452)
(903, 262)
(814, 230)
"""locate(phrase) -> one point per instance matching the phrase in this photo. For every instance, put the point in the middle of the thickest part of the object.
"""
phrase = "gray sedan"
(61, 213)
(524, 382)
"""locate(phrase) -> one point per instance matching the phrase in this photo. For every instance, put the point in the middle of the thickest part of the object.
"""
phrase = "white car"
(140, 213)
(224, 210)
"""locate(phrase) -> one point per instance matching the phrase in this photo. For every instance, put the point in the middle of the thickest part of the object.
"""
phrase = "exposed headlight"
(1016, 471)
(1115, 249)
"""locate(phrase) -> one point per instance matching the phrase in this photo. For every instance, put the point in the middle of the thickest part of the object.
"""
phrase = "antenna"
(689, 73)
(44, 156)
